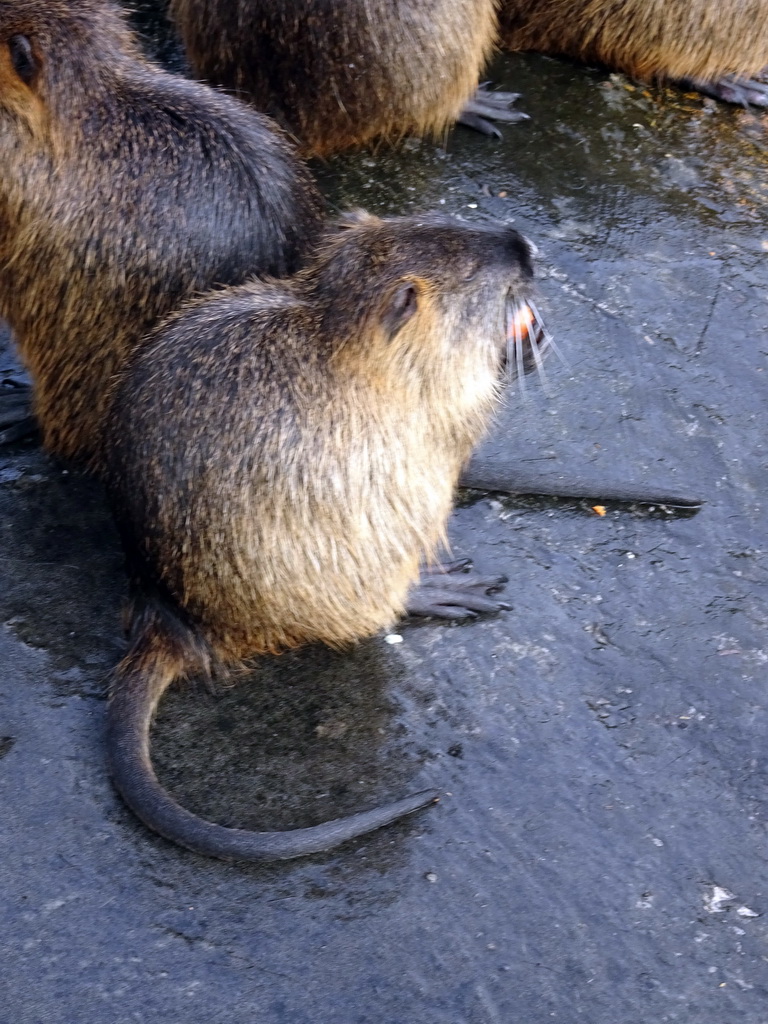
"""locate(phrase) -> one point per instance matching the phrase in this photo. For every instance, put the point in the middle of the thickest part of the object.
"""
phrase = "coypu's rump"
(704, 42)
(343, 73)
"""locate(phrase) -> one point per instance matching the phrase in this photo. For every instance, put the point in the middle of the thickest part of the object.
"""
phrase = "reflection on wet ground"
(599, 852)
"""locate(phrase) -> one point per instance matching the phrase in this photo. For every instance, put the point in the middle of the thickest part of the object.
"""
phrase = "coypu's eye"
(402, 306)
(23, 59)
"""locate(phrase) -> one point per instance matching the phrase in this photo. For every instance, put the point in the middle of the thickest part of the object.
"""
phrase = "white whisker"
(537, 351)
(518, 345)
(548, 340)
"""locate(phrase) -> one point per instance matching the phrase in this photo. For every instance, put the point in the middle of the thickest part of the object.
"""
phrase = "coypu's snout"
(527, 339)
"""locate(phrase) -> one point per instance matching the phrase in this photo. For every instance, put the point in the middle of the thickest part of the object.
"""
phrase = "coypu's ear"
(24, 60)
(402, 304)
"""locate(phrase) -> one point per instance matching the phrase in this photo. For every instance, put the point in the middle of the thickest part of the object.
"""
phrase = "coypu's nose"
(519, 251)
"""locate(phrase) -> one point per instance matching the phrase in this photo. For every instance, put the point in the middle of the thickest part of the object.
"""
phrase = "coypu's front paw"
(448, 592)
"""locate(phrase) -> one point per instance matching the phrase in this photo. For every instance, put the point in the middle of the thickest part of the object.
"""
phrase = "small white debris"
(719, 897)
(393, 638)
(431, 876)
(746, 912)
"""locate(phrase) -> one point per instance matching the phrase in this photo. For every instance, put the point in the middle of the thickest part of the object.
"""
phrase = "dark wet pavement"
(600, 852)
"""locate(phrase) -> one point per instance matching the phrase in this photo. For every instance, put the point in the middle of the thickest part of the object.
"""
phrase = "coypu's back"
(341, 72)
(697, 39)
(123, 190)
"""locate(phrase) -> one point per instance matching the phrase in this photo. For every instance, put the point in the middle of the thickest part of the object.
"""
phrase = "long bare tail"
(165, 649)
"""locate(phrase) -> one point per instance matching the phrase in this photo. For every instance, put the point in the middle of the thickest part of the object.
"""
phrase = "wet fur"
(698, 39)
(274, 451)
(340, 74)
(123, 190)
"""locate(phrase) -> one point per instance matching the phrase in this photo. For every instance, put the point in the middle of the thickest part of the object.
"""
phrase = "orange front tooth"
(522, 322)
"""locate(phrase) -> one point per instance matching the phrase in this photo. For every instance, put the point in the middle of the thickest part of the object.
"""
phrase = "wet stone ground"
(600, 852)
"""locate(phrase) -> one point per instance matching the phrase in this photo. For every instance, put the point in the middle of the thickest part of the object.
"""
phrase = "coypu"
(123, 190)
(698, 41)
(282, 455)
(340, 75)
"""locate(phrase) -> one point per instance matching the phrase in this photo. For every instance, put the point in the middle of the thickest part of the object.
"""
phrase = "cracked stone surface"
(600, 852)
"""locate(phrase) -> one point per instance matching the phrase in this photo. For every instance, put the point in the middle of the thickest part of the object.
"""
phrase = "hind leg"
(731, 89)
(486, 106)
(448, 592)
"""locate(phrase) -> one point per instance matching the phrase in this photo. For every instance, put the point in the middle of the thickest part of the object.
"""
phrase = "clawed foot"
(16, 419)
(447, 592)
(486, 106)
(731, 89)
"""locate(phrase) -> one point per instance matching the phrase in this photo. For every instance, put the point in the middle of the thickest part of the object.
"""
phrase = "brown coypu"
(282, 455)
(698, 41)
(123, 190)
(343, 74)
